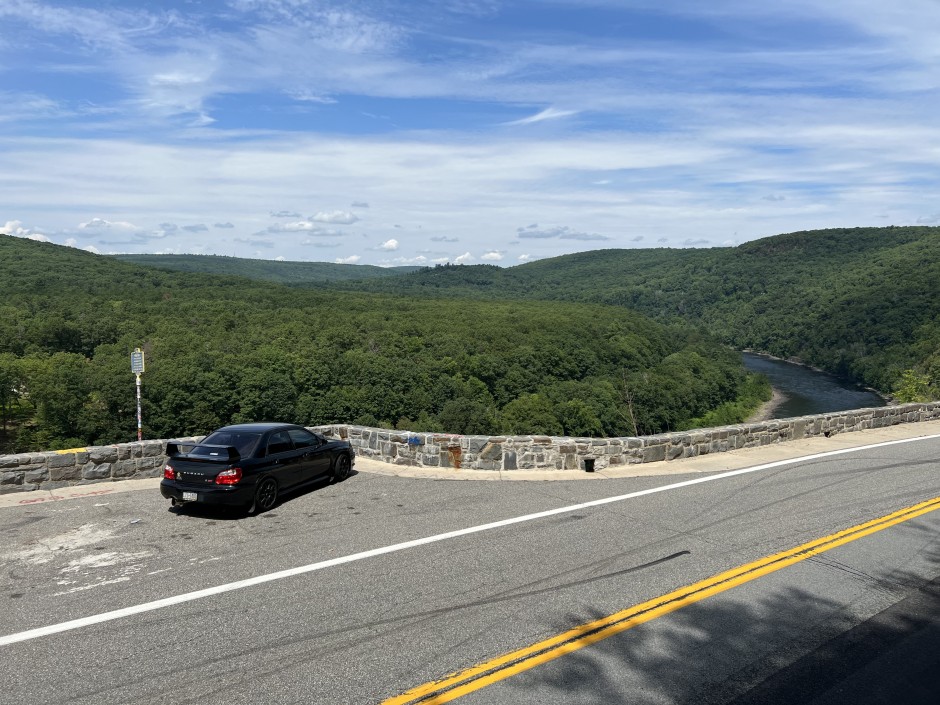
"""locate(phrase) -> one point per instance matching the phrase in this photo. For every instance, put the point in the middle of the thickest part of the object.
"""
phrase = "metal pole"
(140, 435)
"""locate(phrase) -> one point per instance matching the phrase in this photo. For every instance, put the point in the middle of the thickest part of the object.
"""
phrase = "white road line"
(300, 570)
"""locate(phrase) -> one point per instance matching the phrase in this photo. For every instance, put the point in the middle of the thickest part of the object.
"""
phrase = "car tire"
(341, 468)
(265, 496)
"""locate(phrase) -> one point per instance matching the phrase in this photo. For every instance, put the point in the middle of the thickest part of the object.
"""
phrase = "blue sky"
(472, 131)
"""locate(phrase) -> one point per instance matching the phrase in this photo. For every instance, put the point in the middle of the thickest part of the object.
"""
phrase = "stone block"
(96, 471)
(152, 449)
(60, 460)
(11, 477)
(509, 460)
(124, 468)
(674, 451)
(103, 454)
(58, 473)
(36, 475)
(655, 453)
(491, 451)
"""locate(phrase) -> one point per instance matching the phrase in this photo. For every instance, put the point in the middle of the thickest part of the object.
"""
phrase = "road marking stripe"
(477, 677)
(300, 570)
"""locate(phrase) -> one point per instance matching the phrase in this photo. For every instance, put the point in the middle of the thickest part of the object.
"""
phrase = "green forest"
(601, 343)
(223, 349)
(862, 303)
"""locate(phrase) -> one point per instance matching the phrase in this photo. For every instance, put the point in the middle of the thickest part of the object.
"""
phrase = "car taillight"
(169, 473)
(229, 477)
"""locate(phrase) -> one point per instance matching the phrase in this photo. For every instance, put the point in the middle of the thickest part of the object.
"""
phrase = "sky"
(403, 132)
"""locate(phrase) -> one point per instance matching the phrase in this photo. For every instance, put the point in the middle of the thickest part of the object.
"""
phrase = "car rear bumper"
(230, 495)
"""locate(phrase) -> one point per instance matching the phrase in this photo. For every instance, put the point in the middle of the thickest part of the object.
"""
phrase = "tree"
(530, 414)
(912, 387)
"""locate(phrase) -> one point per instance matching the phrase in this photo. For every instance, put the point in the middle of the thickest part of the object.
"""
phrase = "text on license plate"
(190, 497)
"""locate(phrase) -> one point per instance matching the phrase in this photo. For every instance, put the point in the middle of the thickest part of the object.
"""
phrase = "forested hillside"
(223, 349)
(861, 302)
(265, 270)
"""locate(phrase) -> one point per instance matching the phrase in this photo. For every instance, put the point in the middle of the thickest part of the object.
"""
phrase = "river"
(804, 391)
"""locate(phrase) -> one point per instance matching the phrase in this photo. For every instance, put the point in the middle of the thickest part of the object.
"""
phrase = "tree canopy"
(224, 349)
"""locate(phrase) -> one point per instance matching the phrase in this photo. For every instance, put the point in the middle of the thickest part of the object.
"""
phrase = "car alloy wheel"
(341, 468)
(265, 495)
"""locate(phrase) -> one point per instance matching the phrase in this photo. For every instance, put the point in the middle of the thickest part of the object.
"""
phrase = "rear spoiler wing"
(175, 449)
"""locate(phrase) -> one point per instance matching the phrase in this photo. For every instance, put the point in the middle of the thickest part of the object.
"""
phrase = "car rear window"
(245, 443)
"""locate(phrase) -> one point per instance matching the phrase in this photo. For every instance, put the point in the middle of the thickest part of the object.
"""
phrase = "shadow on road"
(791, 647)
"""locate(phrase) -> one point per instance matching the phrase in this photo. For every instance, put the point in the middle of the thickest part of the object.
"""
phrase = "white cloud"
(492, 256)
(562, 232)
(464, 258)
(420, 260)
(547, 114)
(304, 226)
(91, 248)
(389, 245)
(101, 224)
(524, 258)
(335, 217)
(352, 259)
(16, 229)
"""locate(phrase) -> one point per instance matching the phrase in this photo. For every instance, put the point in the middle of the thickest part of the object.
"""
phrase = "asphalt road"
(371, 612)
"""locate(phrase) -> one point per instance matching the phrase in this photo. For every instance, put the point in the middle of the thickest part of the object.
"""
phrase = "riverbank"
(766, 410)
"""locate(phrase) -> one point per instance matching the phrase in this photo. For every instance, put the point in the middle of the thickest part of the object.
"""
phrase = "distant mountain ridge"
(265, 270)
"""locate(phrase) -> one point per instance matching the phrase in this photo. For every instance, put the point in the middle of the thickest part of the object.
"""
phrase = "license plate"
(190, 497)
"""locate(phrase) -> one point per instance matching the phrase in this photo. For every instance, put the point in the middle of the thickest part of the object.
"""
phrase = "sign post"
(137, 367)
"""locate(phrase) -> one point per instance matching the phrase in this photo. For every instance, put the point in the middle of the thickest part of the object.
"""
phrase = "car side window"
(303, 438)
(279, 442)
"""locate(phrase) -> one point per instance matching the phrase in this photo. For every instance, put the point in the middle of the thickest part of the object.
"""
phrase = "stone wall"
(81, 466)
(554, 453)
(32, 471)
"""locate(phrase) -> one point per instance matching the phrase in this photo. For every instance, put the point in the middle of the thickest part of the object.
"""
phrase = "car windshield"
(244, 442)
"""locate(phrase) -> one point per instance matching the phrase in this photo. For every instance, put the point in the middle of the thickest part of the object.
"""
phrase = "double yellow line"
(502, 667)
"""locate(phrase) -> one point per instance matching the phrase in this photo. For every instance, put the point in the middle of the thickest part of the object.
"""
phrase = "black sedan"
(249, 465)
